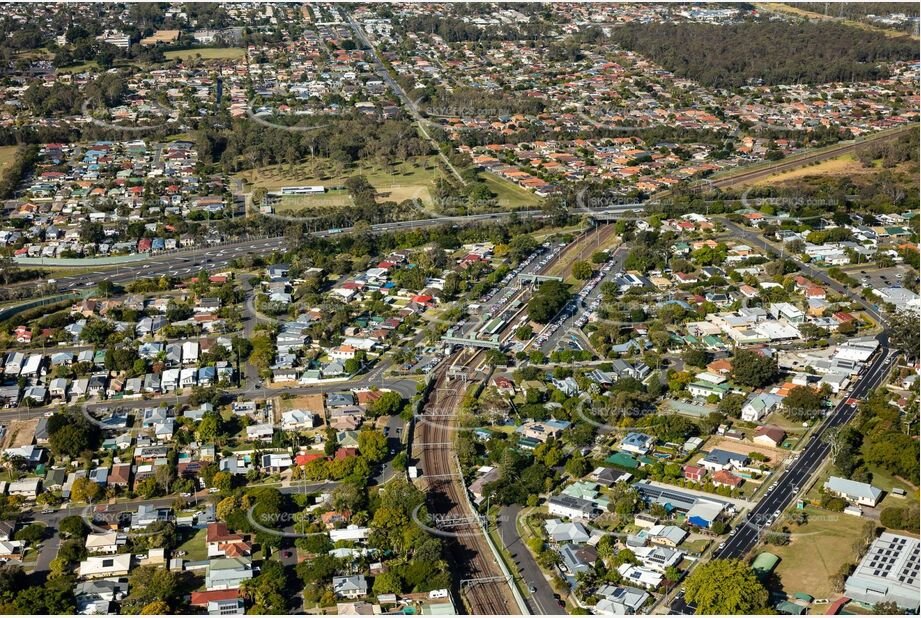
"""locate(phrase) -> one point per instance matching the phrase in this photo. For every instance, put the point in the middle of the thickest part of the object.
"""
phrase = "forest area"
(770, 53)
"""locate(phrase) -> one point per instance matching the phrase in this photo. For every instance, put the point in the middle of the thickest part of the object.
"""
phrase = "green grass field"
(79, 68)
(195, 546)
(816, 552)
(509, 195)
(207, 53)
(411, 179)
(7, 156)
(335, 198)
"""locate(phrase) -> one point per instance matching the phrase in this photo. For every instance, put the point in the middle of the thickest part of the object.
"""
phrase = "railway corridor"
(477, 576)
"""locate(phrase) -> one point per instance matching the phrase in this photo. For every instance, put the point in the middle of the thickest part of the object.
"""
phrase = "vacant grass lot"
(7, 156)
(334, 198)
(407, 180)
(207, 53)
(845, 165)
(410, 179)
(887, 482)
(509, 195)
(195, 546)
(816, 552)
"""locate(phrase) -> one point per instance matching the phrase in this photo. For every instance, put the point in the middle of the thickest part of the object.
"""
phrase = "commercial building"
(887, 573)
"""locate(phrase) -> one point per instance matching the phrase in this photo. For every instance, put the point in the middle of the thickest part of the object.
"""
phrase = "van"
(441, 593)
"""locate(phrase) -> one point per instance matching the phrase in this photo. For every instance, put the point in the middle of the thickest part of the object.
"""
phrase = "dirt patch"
(20, 433)
(744, 447)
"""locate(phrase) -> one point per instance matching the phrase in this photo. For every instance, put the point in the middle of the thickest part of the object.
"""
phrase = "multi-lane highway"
(187, 263)
(797, 475)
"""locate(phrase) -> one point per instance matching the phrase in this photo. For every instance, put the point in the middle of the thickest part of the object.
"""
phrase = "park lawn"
(79, 68)
(207, 53)
(7, 156)
(508, 194)
(816, 552)
(413, 178)
(196, 546)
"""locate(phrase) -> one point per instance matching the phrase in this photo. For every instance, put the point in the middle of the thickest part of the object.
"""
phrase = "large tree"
(803, 403)
(752, 369)
(266, 591)
(372, 445)
(149, 585)
(726, 587)
(388, 404)
(903, 331)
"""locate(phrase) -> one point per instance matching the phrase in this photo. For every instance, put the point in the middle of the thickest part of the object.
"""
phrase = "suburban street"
(542, 600)
(757, 240)
(796, 476)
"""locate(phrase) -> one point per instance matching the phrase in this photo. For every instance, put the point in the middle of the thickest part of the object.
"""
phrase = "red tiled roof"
(203, 598)
(218, 532)
(306, 458)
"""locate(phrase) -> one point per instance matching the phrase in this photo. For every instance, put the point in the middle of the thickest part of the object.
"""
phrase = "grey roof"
(350, 583)
(853, 488)
(721, 457)
(620, 600)
(680, 500)
(574, 563)
(572, 502)
(561, 532)
(887, 572)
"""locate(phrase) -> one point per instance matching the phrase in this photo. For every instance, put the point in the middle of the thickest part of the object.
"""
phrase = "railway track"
(471, 557)
(783, 166)
(481, 584)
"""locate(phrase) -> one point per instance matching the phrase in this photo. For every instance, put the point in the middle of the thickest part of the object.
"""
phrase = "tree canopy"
(752, 369)
(771, 52)
(726, 587)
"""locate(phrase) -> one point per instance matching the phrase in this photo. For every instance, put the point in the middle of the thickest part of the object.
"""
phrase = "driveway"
(48, 552)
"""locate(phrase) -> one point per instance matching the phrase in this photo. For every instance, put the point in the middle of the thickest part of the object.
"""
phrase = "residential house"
(863, 494)
(350, 586)
(228, 573)
(105, 542)
(105, 566)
